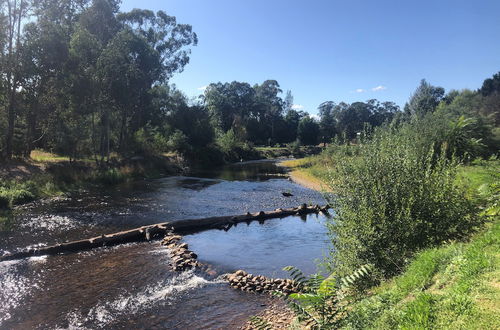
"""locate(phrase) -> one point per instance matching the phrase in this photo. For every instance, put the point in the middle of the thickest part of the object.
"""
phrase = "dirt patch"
(20, 170)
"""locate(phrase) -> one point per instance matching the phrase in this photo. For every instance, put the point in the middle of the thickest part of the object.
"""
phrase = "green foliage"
(13, 193)
(178, 141)
(424, 100)
(151, 141)
(228, 142)
(397, 196)
(308, 131)
(323, 303)
(233, 148)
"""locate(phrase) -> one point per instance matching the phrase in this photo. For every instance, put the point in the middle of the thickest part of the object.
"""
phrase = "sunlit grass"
(47, 157)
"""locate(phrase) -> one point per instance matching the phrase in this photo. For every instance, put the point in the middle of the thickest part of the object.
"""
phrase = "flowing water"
(132, 286)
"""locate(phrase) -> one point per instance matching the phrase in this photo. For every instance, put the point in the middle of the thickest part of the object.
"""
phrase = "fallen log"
(156, 231)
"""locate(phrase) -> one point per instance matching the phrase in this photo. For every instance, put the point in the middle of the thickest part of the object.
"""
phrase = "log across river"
(159, 230)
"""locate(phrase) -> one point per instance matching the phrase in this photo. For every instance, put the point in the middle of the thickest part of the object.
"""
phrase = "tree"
(327, 123)
(491, 85)
(425, 99)
(13, 14)
(288, 102)
(490, 90)
(230, 105)
(270, 106)
(308, 131)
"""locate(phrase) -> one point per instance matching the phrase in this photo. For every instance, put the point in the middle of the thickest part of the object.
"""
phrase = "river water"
(131, 286)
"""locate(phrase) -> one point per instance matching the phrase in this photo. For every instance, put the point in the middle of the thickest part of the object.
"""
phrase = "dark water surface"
(132, 286)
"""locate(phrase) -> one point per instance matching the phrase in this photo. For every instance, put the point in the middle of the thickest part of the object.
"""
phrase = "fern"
(322, 302)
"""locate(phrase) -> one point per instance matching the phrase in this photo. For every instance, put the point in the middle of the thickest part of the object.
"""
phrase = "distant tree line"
(82, 79)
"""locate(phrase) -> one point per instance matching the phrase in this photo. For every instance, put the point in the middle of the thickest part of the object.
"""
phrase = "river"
(131, 286)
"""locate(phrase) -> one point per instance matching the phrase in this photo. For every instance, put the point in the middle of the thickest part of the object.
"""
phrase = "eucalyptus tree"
(231, 105)
(327, 121)
(270, 106)
(14, 12)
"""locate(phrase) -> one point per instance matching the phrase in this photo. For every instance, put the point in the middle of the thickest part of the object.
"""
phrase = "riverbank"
(307, 173)
(47, 175)
(452, 285)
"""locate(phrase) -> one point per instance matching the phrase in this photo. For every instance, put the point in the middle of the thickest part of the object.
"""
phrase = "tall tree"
(424, 100)
(308, 131)
(14, 12)
(327, 123)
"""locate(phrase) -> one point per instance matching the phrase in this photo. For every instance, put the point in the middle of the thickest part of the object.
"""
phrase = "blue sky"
(338, 50)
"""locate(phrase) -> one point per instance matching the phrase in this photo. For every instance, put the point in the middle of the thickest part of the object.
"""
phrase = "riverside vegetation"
(415, 201)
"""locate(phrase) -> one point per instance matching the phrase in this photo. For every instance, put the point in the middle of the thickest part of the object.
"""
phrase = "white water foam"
(103, 314)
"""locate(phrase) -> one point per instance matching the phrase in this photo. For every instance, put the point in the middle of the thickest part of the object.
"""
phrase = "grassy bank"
(49, 175)
(312, 171)
(453, 285)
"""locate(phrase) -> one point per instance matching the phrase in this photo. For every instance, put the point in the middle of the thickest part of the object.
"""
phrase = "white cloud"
(315, 116)
(379, 88)
(297, 107)
(360, 90)
(202, 88)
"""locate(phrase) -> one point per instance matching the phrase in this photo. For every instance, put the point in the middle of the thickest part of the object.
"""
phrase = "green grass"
(454, 286)
(47, 157)
(313, 166)
(480, 173)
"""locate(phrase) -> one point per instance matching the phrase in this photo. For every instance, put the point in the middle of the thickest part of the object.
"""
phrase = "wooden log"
(159, 230)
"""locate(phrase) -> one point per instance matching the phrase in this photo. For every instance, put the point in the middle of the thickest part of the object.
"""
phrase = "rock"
(287, 194)
(183, 246)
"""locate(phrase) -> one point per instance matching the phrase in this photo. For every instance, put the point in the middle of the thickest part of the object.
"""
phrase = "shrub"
(12, 193)
(150, 141)
(228, 142)
(396, 196)
(178, 141)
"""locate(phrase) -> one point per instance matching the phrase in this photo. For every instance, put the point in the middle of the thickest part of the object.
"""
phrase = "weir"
(159, 230)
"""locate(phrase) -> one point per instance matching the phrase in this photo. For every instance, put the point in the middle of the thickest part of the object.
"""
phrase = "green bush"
(395, 197)
(228, 142)
(178, 141)
(150, 141)
(12, 193)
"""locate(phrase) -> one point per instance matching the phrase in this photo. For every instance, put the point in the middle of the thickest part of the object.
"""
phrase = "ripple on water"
(163, 292)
